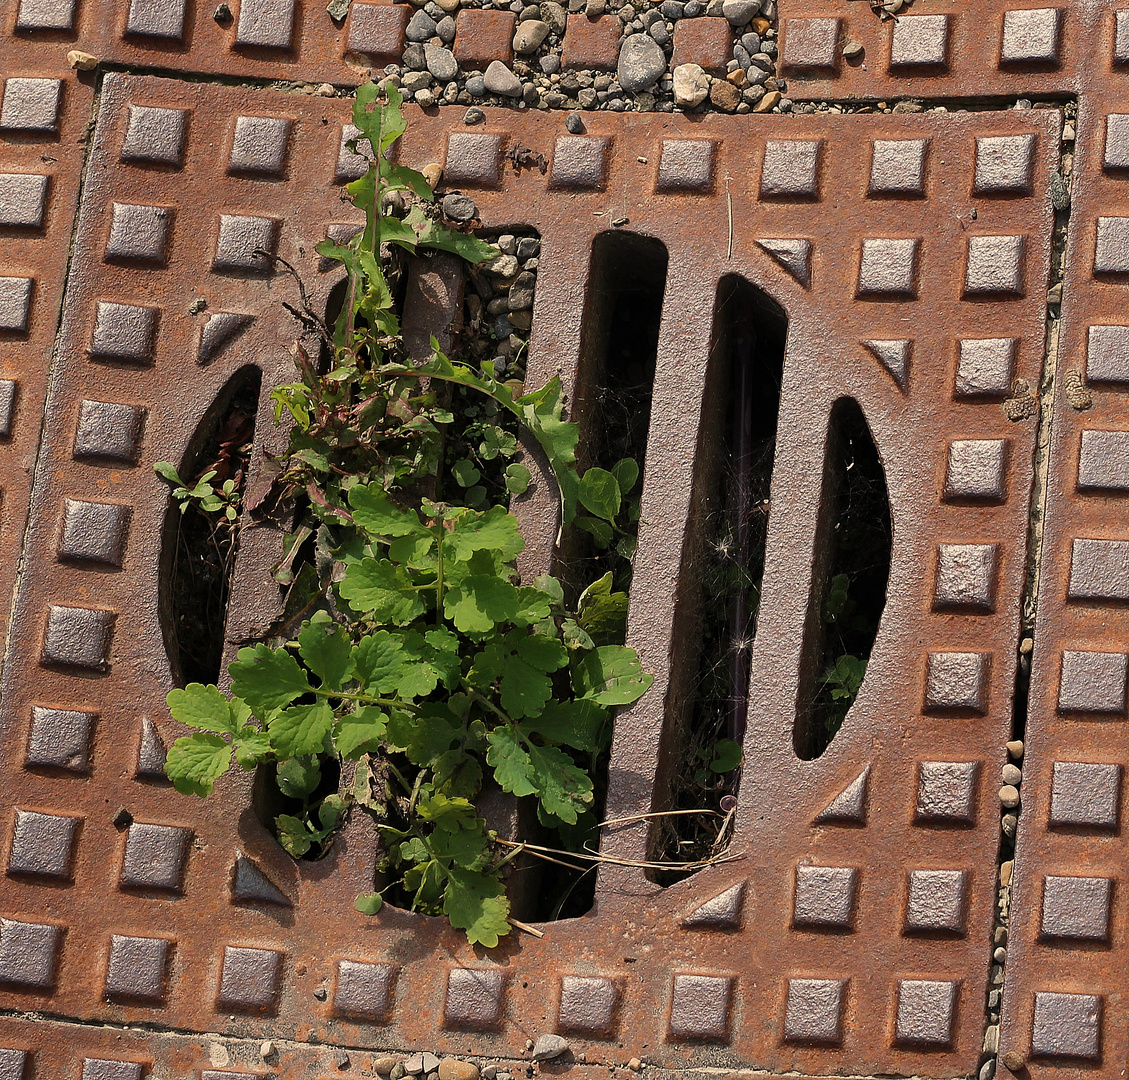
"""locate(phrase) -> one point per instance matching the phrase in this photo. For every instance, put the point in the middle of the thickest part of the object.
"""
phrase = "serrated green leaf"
(579, 724)
(480, 602)
(301, 729)
(564, 790)
(360, 732)
(430, 734)
(379, 661)
(196, 762)
(477, 903)
(511, 763)
(267, 679)
(611, 675)
(383, 589)
(325, 648)
(252, 747)
(298, 776)
(293, 835)
(458, 774)
(203, 707)
(465, 848)
(495, 530)
(369, 903)
(374, 512)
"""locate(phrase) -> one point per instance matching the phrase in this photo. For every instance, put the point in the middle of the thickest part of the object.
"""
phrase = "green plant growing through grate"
(408, 644)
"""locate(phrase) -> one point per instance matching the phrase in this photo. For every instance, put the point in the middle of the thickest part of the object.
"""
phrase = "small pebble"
(454, 1069)
(266, 1049)
(1015, 748)
(384, 1065)
(635, 1065)
(1005, 872)
(1009, 796)
(1009, 823)
(1014, 1060)
(82, 61)
(397, 1072)
(222, 14)
(853, 50)
(218, 1055)
(490, 1072)
(1011, 775)
(321, 993)
(574, 123)
(1000, 955)
(549, 1047)
(1025, 646)
(988, 1069)
(473, 115)
(460, 208)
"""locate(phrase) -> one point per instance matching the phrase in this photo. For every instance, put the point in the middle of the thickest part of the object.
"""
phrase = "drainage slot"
(849, 586)
(725, 551)
(199, 547)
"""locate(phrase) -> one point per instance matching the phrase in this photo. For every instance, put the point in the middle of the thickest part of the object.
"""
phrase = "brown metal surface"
(1064, 1006)
(849, 935)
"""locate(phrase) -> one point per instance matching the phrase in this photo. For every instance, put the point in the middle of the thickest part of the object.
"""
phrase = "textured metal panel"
(190, 916)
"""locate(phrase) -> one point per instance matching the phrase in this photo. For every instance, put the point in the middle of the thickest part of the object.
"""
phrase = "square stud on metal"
(1085, 795)
(814, 1010)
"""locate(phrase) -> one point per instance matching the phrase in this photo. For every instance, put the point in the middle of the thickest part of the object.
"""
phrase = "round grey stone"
(421, 27)
(529, 35)
(500, 80)
(692, 9)
(548, 1047)
(445, 28)
(502, 327)
(761, 60)
(476, 86)
(440, 62)
(425, 98)
(528, 247)
(1011, 775)
(473, 115)
(550, 64)
(751, 41)
(574, 123)
(529, 94)
(413, 58)
(660, 33)
(672, 9)
(416, 80)
(459, 207)
(739, 12)
(641, 63)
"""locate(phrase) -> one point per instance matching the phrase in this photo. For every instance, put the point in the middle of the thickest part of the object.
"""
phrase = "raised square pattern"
(365, 991)
(700, 1008)
(926, 1012)
(109, 429)
(155, 857)
(791, 168)
(1085, 794)
(580, 162)
(985, 367)
(43, 845)
(1031, 36)
(1103, 460)
(77, 637)
(1111, 247)
(124, 332)
(957, 681)
(29, 954)
(1116, 141)
(814, 1010)
(138, 969)
(589, 1006)
(1093, 682)
(377, 30)
(267, 24)
(259, 145)
(1067, 1025)
(888, 266)
(139, 234)
(1099, 570)
(825, 896)
(919, 41)
(474, 158)
(966, 578)
(240, 238)
(1004, 164)
(31, 105)
(111, 1069)
(15, 303)
(686, 165)
(897, 166)
(476, 999)
(1076, 907)
(995, 264)
(155, 136)
(250, 980)
(157, 19)
(94, 532)
(46, 15)
(976, 470)
(1107, 354)
(811, 43)
(946, 792)
(936, 901)
(23, 199)
(60, 738)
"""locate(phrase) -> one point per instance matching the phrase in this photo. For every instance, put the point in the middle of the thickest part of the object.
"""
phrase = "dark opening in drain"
(849, 588)
(199, 548)
(725, 556)
(619, 346)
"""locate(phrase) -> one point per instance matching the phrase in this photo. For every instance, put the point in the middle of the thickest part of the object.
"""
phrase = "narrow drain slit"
(198, 549)
(725, 552)
(849, 587)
